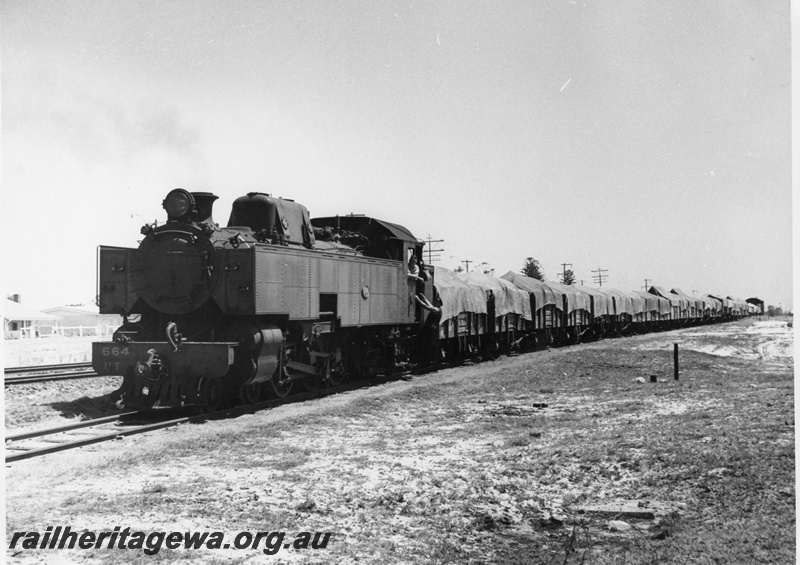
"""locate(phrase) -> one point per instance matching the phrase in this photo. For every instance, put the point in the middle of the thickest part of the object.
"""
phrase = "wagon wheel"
(455, 356)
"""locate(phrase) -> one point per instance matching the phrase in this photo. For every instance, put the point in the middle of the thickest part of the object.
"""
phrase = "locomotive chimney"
(204, 202)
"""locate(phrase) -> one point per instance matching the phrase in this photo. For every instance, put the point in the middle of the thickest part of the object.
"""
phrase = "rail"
(46, 373)
(42, 368)
(28, 379)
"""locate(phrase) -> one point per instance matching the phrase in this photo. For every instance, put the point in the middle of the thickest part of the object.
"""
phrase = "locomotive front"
(176, 346)
(175, 268)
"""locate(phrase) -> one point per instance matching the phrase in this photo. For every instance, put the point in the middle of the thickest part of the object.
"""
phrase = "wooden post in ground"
(675, 359)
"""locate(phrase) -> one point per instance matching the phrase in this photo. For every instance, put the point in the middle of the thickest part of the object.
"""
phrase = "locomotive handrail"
(174, 338)
(181, 232)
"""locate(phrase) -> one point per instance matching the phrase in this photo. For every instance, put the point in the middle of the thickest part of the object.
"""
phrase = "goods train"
(275, 299)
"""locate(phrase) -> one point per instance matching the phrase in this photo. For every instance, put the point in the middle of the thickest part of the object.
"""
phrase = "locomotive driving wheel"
(329, 361)
(314, 382)
(211, 394)
(336, 367)
(320, 360)
(250, 394)
(245, 369)
(311, 383)
(281, 383)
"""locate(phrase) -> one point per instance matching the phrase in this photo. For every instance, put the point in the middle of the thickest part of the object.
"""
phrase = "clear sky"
(649, 138)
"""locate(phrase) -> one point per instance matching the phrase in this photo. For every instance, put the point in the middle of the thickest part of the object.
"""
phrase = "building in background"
(21, 322)
(82, 320)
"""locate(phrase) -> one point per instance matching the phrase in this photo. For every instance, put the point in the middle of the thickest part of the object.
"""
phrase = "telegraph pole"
(646, 286)
(564, 270)
(598, 278)
(430, 250)
(467, 262)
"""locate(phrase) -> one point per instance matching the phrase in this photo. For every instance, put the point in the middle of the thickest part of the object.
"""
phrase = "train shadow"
(88, 407)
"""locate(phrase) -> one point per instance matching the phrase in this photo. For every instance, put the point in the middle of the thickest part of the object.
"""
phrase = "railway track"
(46, 373)
(43, 368)
(27, 445)
(36, 443)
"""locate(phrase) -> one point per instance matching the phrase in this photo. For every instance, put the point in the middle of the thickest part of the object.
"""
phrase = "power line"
(598, 278)
(430, 250)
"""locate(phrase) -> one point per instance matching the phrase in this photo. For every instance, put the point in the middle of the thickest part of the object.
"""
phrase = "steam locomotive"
(253, 308)
(275, 300)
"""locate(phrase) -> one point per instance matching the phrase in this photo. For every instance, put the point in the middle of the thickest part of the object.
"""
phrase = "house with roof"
(21, 322)
(83, 320)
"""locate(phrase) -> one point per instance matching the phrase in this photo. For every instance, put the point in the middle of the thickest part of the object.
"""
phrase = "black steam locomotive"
(252, 308)
(239, 313)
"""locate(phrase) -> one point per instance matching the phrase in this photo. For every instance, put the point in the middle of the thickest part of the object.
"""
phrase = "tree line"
(533, 269)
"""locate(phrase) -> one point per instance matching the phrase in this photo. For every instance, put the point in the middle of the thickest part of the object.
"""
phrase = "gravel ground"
(501, 462)
(38, 405)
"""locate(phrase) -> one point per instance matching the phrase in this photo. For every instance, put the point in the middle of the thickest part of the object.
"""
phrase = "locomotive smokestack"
(204, 202)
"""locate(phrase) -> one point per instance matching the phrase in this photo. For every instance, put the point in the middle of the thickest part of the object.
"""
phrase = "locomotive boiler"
(213, 314)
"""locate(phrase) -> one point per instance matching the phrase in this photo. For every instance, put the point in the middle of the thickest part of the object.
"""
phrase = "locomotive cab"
(370, 236)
